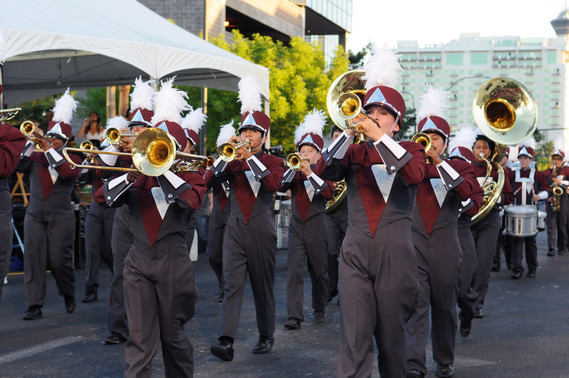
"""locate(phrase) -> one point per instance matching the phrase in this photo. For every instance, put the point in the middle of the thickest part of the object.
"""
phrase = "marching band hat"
(169, 103)
(142, 101)
(310, 131)
(250, 97)
(462, 153)
(382, 74)
(526, 148)
(63, 111)
(430, 114)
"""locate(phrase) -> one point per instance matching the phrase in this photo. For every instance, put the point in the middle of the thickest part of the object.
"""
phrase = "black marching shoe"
(114, 339)
(551, 253)
(223, 350)
(465, 326)
(319, 317)
(478, 313)
(531, 274)
(89, 298)
(264, 344)
(331, 294)
(70, 304)
(560, 252)
(445, 370)
(292, 323)
(415, 373)
(33, 313)
(517, 275)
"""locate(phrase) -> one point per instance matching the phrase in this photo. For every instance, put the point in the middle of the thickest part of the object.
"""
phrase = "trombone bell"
(345, 97)
(153, 152)
(505, 111)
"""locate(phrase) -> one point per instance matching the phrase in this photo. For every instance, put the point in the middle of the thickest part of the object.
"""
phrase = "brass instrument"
(87, 145)
(153, 153)
(506, 113)
(557, 192)
(28, 129)
(293, 161)
(425, 141)
(7, 114)
(344, 101)
(113, 136)
(228, 151)
(340, 192)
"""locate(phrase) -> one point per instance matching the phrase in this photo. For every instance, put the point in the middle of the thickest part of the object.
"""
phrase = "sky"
(440, 21)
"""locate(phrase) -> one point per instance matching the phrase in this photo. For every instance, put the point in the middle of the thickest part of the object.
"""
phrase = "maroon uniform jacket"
(304, 208)
(251, 186)
(395, 168)
(12, 142)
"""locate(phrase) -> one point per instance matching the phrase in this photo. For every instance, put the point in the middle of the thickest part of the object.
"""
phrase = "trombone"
(113, 136)
(7, 114)
(153, 153)
(228, 151)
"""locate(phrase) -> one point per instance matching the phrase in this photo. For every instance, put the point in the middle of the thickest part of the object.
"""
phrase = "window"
(454, 59)
(478, 58)
(552, 57)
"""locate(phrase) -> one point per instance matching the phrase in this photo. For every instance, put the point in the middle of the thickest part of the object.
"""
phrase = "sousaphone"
(506, 113)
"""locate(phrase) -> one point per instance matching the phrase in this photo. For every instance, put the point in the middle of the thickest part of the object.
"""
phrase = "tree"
(357, 59)
(299, 79)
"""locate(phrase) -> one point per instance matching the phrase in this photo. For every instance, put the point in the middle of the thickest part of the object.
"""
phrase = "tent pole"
(203, 133)
(1, 86)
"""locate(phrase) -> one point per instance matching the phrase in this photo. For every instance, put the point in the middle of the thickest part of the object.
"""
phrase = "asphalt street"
(525, 332)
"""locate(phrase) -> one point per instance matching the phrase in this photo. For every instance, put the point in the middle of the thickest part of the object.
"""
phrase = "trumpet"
(424, 140)
(228, 151)
(7, 114)
(113, 136)
(153, 154)
(293, 161)
(28, 129)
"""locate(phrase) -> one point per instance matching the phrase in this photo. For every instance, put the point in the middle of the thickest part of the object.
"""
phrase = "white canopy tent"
(52, 45)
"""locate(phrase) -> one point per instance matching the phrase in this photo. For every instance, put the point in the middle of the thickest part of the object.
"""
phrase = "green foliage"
(299, 79)
(408, 125)
(543, 156)
(34, 110)
(357, 59)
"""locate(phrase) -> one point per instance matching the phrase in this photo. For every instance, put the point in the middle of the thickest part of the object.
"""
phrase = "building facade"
(327, 21)
(463, 65)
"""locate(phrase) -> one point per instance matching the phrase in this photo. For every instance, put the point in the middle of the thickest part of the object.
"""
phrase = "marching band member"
(98, 228)
(159, 284)
(49, 217)
(307, 239)
(142, 101)
(557, 207)
(435, 236)
(250, 240)
(486, 231)
(377, 274)
(529, 187)
(467, 296)
(12, 142)
(219, 214)
(336, 224)
(197, 220)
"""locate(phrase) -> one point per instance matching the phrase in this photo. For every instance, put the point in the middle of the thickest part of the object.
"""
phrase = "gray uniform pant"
(306, 243)
(378, 290)
(485, 234)
(48, 239)
(121, 242)
(467, 296)
(557, 225)
(98, 230)
(248, 248)
(160, 294)
(8, 235)
(439, 280)
(336, 229)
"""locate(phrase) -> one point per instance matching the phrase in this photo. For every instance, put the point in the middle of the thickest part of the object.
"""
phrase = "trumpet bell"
(153, 152)
(86, 145)
(423, 139)
(505, 111)
(293, 161)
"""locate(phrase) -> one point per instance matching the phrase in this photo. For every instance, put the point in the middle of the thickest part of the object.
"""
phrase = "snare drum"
(521, 221)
